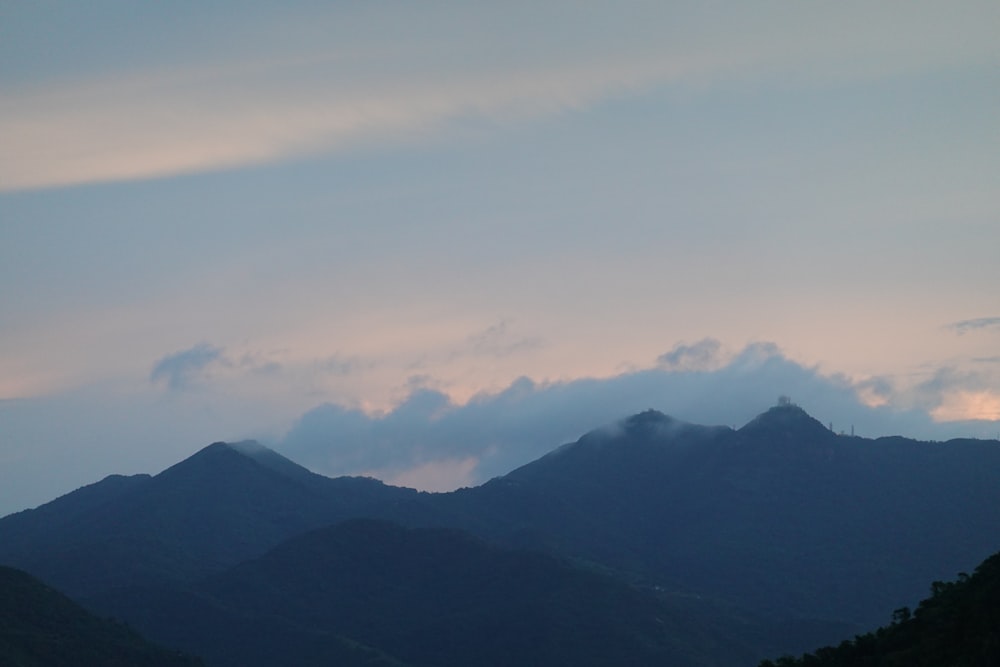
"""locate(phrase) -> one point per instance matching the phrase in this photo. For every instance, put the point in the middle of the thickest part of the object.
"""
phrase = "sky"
(429, 242)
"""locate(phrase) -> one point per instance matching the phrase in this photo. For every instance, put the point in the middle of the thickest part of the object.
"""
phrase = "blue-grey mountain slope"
(224, 504)
(782, 517)
(424, 597)
(782, 532)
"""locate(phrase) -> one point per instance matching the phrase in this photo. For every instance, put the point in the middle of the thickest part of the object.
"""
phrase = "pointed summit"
(223, 504)
(269, 458)
(786, 421)
(245, 458)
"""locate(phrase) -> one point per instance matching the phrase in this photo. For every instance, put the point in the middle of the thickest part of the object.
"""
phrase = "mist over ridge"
(576, 332)
(450, 445)
(779, 535)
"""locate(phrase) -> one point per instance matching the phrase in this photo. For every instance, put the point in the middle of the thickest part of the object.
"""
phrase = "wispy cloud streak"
(281, 91)
(180, 370)
(169, 123)
(966, 326)
(700, 356)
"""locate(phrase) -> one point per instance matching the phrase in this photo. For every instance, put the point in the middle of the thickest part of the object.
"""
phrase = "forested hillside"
(958, 626)
(40, 627)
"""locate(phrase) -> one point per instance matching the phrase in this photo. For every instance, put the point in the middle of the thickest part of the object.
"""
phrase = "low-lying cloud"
(208, 392)
(500, 431)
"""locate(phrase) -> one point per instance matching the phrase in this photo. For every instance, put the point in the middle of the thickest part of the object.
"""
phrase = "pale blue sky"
(216, 218)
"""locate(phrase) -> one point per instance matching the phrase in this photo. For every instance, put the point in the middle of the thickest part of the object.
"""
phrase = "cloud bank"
(430, 442)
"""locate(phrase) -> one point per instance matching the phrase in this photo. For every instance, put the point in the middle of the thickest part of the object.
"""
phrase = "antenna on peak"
(784, 401)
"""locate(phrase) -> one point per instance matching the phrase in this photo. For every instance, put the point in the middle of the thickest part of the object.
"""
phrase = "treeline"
(958, 626)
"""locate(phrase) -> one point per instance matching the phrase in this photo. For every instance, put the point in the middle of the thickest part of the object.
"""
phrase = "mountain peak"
(646, 420)
(788, 420)
(251, 448)
(256, 452)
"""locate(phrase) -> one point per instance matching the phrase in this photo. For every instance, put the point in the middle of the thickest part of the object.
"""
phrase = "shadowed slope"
(427, 597)
(782, 517)
(787, 534)
(40, 627)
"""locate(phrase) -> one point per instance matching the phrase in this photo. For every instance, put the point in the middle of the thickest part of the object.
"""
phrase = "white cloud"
(500, 431)
(444, 475)
(968, 405)
(429, 440)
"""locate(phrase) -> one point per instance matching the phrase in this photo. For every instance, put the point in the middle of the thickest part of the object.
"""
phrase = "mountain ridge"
(210, 510)
(686, 511)
(797, 530)
(431, 596)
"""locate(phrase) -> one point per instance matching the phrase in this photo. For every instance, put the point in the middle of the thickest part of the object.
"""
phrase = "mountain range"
(660, 541)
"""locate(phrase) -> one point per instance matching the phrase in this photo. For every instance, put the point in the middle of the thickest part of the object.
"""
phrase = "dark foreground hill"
(376, 592)
(959, 625)
(40, 627)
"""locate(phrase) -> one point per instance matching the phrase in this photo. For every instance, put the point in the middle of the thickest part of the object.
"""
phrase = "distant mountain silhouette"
(220, 506)
(781, 535)
(782, 517)
(40, 627)
(423, 597)
(788, 423)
